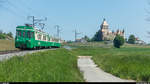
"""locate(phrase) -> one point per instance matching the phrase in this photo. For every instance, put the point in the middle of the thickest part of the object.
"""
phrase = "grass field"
(50, 66)
(7, 45)
(128, 62)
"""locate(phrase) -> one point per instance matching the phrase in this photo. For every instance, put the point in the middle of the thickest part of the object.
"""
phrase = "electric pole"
(76, 34)
(58, 30)
(36, 21)
(42, 25)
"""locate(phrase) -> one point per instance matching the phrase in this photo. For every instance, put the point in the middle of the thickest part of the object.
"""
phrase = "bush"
(2, 36)
(131, 39)
(118, 41)
(10, 34)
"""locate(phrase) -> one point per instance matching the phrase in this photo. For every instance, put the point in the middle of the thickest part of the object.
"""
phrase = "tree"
(86, 38)
(97, 36)
(10, 34)
(118, 41)
(131, 39)
(2, 36)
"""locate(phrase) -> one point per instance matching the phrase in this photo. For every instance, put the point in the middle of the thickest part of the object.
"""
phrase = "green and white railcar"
(28, 37)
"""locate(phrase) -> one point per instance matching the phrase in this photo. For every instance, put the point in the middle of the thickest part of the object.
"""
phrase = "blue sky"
(83, 15)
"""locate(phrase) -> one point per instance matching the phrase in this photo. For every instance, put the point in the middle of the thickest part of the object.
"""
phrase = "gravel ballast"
(21, 53)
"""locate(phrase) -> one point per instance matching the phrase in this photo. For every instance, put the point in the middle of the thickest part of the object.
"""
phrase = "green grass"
(48, 66)
(128, 62)
(7, 45)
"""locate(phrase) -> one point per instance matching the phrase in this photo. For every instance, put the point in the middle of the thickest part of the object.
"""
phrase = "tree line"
(4, 35)
(117, 42)
(96, 38)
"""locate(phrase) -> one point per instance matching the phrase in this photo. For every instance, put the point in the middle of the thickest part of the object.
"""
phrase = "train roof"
(31, 28)
(24, 27)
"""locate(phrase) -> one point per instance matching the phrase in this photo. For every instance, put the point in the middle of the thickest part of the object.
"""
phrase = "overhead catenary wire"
(36, 21)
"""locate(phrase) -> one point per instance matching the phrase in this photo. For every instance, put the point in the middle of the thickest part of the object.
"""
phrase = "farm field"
(7, 45)
(128, 62)
(50, 66)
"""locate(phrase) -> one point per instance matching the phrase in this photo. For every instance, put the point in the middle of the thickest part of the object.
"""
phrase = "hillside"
(7, 45)
(7, 36)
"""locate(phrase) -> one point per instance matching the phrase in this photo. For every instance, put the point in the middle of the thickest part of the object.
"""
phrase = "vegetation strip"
(48, 66)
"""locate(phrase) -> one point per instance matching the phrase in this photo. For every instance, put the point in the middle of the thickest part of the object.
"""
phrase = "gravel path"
(22, 53)
(92, 73)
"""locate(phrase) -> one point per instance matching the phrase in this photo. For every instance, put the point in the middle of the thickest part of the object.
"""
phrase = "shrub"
(118, 41)
(131, 39)
(2, 36)
(10, 34)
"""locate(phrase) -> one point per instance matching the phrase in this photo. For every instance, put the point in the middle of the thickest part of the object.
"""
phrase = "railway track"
(15, 51)
(9, 51)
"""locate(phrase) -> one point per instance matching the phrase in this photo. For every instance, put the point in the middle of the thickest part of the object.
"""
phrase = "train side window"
(39, 36)
(48, 38)
(44, 37)
(32, 34)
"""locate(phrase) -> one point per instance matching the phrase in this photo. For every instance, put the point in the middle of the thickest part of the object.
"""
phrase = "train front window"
(24, 34)
(30, 34)
(18, 33)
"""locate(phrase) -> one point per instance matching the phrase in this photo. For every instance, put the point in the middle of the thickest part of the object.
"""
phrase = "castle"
(106, 35)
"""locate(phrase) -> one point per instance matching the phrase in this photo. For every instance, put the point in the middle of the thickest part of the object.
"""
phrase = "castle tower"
(104, 31)
(104, 34)
(104, 25)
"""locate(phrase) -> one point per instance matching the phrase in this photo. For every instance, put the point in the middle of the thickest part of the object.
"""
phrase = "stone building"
(106, 35)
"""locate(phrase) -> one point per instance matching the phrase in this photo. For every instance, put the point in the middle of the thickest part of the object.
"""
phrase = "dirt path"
(92, 73)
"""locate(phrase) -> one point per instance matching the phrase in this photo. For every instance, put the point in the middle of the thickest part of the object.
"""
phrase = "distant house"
(62, 41)
(138, 41)
(82, 40)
